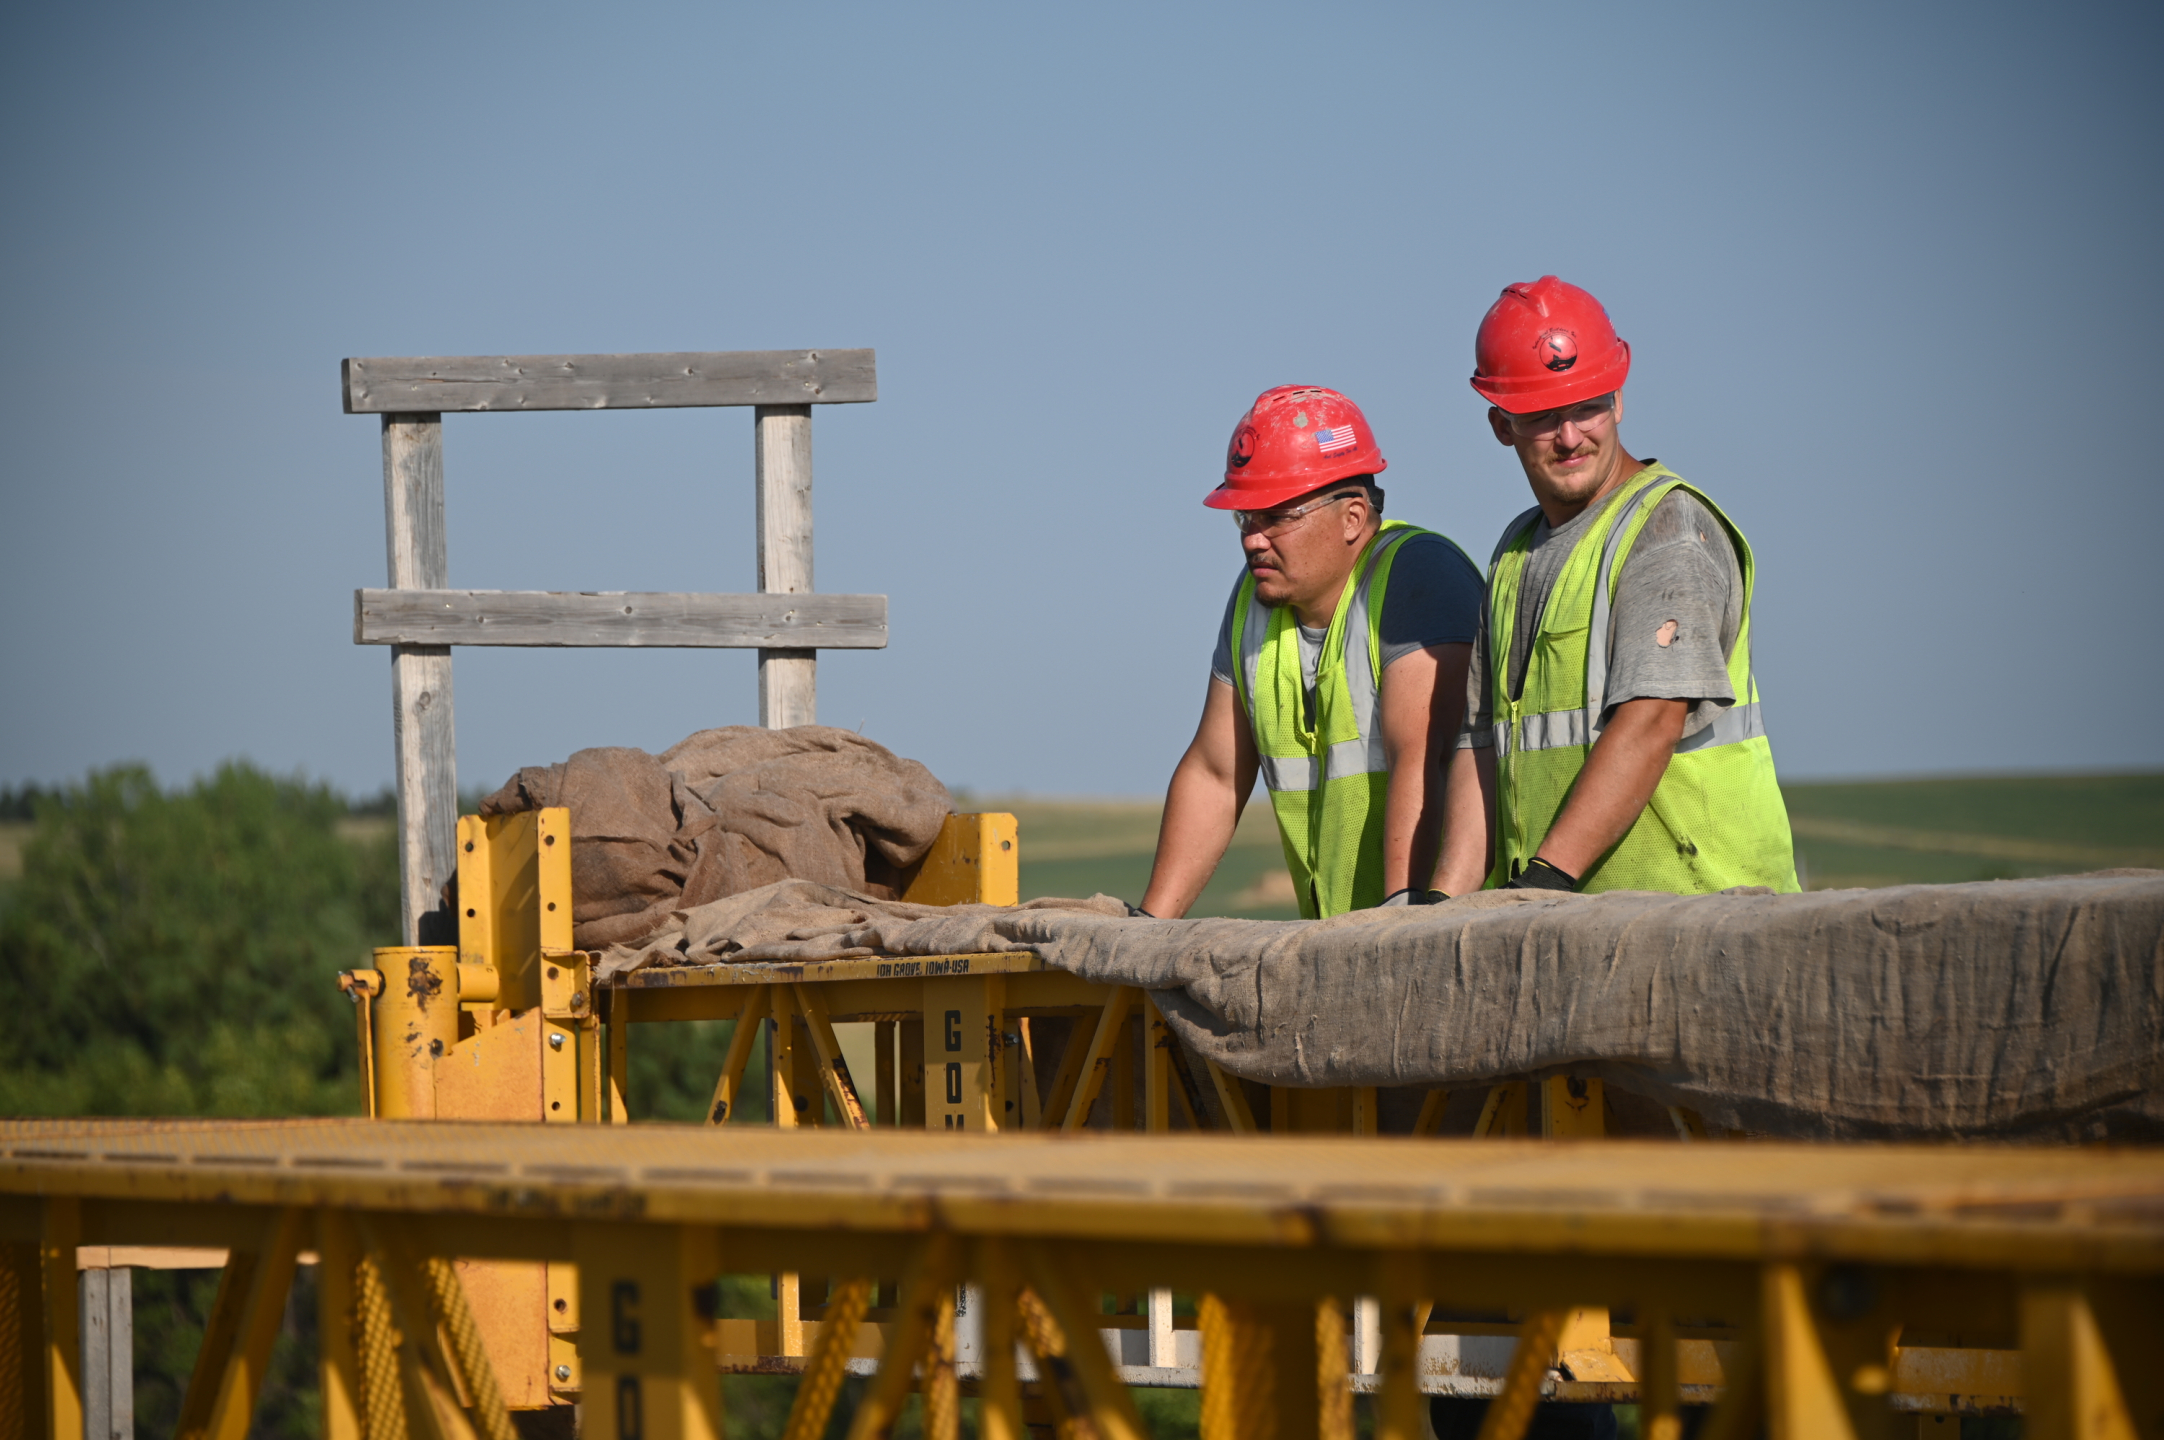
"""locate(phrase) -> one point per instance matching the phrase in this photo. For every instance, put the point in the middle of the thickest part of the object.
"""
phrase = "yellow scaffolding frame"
(530, 1036)
(1832, 1261)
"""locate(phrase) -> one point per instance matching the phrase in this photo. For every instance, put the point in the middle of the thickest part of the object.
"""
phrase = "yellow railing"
(1842, 1269)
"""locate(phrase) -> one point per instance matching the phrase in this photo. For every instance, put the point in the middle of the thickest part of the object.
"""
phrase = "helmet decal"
(1558, 349)
(1243, 447)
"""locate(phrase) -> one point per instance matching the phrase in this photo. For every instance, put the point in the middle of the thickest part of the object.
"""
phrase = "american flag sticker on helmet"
(1333, 438)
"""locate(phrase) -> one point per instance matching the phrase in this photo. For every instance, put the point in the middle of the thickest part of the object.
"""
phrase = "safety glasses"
(1277, 522)
(1585, 415)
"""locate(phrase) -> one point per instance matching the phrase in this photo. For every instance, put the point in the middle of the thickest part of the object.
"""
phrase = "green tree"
(173, 953)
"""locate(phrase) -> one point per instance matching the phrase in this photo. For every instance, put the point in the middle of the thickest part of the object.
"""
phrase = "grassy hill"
(1859, 833)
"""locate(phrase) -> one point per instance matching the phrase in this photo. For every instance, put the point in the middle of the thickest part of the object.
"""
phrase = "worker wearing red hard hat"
(1338, 675)
(1612, 737)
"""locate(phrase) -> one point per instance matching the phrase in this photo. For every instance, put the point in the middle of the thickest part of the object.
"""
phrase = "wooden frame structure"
(420, 617)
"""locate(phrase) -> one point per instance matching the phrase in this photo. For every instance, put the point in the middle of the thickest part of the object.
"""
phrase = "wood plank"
(438, 618)
(389, 385)
(421, 715)
(788, 675)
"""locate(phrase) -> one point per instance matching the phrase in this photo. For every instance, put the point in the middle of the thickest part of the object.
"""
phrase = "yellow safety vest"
(1716, 819)
(1328, 783)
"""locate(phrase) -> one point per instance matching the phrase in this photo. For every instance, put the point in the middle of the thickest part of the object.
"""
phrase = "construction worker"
(1612, 737)
(1339, 671)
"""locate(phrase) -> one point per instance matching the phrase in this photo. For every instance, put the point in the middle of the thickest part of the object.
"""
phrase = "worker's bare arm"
(1209, 788)
(1468, 821)
(1423, 696)
(1619, 777)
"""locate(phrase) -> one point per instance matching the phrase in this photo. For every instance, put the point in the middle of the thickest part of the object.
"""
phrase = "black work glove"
(1410, 896)
(1538, 874)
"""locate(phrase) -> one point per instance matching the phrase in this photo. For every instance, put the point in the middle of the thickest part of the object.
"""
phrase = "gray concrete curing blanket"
(2010, 1009)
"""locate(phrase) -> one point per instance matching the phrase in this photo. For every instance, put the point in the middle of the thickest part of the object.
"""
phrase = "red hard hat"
(1546, 345)
(1294, 439)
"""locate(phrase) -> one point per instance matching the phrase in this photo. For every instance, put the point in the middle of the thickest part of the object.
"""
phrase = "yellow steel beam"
(1807, 1251)
(1333, 1379)
(909, 1075)
(964, 1035)
(929, 1279)
(1232, 1100)
(1512, 1411)
(999, 1416)
(1803, 1399)
(2079, 1396)
(1068, 1072)
(1097, 1060)
(1157, 1043)
(728, 1090)
(63, 1368)
(884, 1111)
(1573, 1108)
(824, 1367)
(237, 1342)
(647, 1373)
(1660, 1407)
(1404, 1315)
(1969, 1207)
(1504, 1113)
(338, 1257)
(833, 1067)
(941, 1385)
(1111, 1408)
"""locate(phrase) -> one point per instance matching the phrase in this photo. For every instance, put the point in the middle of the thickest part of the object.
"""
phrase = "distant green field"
(1861, 833)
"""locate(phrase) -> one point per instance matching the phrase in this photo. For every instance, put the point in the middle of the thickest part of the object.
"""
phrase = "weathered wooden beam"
(572, 618)
(421, 718)
(781, 445)
(608, 382)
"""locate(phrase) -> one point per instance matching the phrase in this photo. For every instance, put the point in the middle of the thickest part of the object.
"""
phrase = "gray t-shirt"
(1678, 606)
(1434, 598)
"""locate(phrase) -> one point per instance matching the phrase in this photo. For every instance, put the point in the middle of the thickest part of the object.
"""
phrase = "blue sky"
(1889, 274)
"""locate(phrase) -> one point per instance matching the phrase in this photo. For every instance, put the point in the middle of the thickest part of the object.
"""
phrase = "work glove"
(1410, 896)
(1538, 874)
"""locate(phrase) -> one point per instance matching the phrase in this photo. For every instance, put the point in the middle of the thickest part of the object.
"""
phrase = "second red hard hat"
(1546, 345)
(1294, 439)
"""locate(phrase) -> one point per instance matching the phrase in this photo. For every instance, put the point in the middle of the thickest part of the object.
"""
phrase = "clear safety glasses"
(1277, 522)
(1541, 423)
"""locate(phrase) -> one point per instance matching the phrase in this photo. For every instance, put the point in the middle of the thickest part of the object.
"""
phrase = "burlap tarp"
(726, 811)
(2028, 1009)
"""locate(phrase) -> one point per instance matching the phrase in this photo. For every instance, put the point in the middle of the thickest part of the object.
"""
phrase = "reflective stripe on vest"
(1558, 728)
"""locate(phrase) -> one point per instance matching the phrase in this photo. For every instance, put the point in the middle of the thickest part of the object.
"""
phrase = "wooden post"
(107, 1316)
(788, 679)
(421, 681)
